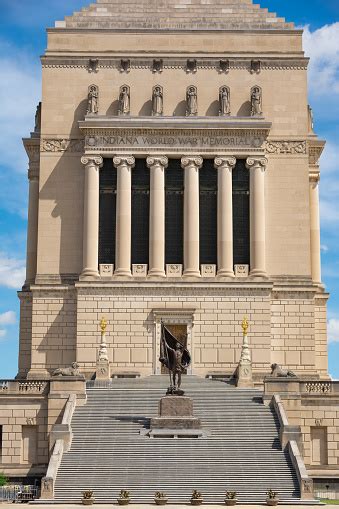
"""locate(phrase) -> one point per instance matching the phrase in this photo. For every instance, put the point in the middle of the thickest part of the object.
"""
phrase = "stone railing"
(288, 385)
(315, 387)
(18, 387)
(291, 437)
(61, 440)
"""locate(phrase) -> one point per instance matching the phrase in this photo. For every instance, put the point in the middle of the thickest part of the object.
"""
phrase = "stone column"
(315, 227)
(124, 165)
(157, 165)
(92, 164)
(32, 228)
(191, 165)
(225, 165)
(257, 167)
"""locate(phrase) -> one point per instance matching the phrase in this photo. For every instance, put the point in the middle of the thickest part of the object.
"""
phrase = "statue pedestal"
(175, 415)
(245, 379)
(103, 371)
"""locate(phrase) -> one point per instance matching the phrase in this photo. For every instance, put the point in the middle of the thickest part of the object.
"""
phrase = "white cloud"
(2, 333)
(7, 318)
(322, 46)
(333, 330)
(12, 271)
(324, 248)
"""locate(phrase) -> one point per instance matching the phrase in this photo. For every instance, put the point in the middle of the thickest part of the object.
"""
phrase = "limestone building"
(173, 176)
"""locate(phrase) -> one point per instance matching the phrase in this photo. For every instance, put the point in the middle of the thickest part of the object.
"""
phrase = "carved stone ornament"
(314, 154)
(93, 65)
(196, 161)
(157, 65)
(241, 270)
(307, 485)
(157, 101)
(93, 100)
(224, 101)
(286, 147)
(125, 65)
(106, 269)
(278, 372)
(208, 270)
(157, 161)
(255, 66)
(47, 488)
(224, 66)
(124, 100)
(139, 270)
(225, 162)
(62, 145)
(256, 101)
(191, 65)
(191, 101)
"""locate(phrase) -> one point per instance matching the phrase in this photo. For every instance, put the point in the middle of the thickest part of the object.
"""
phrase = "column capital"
(256, 162)
(187, 161)
(124, 160)
(33, 172)
(228, 162)
(94, 160)
(314, 177)
(157, 161)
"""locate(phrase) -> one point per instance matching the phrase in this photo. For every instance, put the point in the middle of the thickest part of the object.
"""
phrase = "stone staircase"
(110, 450)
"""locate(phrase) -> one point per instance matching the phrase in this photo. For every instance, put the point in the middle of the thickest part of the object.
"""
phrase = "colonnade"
(191, 166)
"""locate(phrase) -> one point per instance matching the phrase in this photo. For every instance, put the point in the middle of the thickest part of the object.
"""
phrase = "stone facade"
(85, 121)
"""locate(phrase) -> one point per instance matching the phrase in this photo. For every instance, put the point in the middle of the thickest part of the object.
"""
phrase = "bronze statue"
(93, 100)
(37, 126)
(124, 100)
(175, 357)
(157, 101)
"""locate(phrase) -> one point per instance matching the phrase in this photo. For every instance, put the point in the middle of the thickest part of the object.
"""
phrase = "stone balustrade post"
(124, 165)
(225, 166)
(191, 165)
(257, 167)
(92, 164)
(157, 166)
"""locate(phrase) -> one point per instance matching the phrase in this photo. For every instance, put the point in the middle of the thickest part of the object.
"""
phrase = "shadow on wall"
(79, 114)
(113, 110)
(180, 110)
(213, 109)
(244, 110)
(146, 110)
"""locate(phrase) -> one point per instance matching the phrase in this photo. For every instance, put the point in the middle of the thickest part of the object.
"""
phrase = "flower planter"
(196, 501)
(272, 501)
(123, 501)
(87, 501)
(231, 501)
(160, 501)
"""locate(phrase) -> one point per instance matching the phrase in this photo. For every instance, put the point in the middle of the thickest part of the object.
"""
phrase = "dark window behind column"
(140, 211)
(107, 210)
(174, 213)
(241, 213)
(208, 180)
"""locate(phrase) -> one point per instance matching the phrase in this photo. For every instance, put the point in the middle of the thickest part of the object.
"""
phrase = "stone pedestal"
(244, 375)
(175, 413)
(103, 371)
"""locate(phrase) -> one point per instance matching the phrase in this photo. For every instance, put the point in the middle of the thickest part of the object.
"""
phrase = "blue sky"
(23, 40)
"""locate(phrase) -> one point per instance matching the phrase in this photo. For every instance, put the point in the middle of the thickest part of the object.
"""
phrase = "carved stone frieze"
(286, 147)
(62, 145)
(176, 140)
(314, 154)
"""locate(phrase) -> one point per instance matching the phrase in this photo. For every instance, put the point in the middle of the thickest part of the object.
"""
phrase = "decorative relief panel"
(139, 270)
(208, 270)
(62, 145)
(173, 270)
(241, 270)
(286, 147)
(106, 269)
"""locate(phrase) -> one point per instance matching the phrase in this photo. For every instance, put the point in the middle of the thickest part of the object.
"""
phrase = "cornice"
(203, 62)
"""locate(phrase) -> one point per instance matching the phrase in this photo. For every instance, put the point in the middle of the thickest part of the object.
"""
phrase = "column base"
(258, 273)
(156, 273)
(191, 273)
(89, 275)
(225, 273)
(123, 273)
